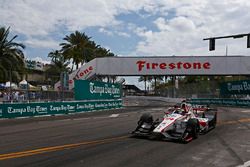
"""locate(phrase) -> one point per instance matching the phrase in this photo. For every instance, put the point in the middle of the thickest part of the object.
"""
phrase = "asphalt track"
(102, 139)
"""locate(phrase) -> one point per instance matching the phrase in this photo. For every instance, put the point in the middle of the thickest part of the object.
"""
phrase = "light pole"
(10, 83)
(212, 40)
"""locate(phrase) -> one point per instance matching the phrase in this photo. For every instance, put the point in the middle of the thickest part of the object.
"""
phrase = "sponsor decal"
(52, 108)
(144, 65)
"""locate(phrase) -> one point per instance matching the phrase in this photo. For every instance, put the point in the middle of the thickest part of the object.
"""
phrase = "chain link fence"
(204, 89)
(17, 95)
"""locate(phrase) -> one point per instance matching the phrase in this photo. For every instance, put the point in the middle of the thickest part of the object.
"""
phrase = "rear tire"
(215, 120)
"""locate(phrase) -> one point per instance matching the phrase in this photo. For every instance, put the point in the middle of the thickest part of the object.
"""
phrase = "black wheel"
(193, 127)
(215, 119)
(191, 132)
(148, 118)
(185, 137)
(145, 118)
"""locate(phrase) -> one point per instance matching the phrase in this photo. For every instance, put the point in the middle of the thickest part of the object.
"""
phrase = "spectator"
(16, 96)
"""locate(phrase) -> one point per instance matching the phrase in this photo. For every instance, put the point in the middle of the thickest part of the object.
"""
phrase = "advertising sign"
(235, 87)
(84, 72)
(174, 65)
(170, 65)
(222, 102)
(85, 90)
(53, 108)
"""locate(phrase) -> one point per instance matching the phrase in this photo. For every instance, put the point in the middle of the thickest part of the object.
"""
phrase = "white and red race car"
(179, 124)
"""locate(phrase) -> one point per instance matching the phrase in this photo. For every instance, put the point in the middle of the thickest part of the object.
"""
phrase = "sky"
(131, 27)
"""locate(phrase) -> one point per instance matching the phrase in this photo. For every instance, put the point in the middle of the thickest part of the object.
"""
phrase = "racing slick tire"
(194, 124)
(214, 120)
(146, 117)
(192, 130)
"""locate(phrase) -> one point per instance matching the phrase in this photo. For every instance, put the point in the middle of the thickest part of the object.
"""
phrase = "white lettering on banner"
(85, 106)
(93, 89)
(239, 87)
(41, 110)
(89, 106)
(58, 108)
(101, 105)
(28, 109)
(16, 110)
(79, 106)
(71, 108)
(246, 86)
(231, 87)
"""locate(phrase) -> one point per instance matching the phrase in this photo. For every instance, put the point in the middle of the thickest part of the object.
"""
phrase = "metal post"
(11, 83)
(173, 86)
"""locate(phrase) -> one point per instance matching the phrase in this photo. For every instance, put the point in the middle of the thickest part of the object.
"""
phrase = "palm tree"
(58, 65)
(155, 81)
(145, 79)
(55, 56)
(11, 57)
(77, 47)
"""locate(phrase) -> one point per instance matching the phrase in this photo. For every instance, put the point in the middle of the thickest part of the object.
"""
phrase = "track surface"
(102, 140)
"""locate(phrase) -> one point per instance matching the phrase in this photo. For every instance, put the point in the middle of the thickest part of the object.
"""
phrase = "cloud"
(123, 34)
(42, 43)
(183, 33)
(180, 25)
(103, 30)
(114, 32)
(41, 18)
(39, 59)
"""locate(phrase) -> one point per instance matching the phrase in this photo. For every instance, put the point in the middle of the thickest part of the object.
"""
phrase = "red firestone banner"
(171, 65)
(174, 65)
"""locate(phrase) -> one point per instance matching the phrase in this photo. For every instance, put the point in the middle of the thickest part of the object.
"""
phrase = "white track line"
(114, 115)
(246, 111)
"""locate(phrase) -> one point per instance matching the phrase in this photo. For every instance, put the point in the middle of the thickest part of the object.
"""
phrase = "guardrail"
(14, 110)
(223, 102)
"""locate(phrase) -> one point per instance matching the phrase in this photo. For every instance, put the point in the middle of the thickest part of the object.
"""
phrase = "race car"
(178, 125)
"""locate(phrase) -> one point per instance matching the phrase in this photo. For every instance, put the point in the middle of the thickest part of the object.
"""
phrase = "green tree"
(145, 79)
(77, 48)
(58, 65)
(157, 79)
(80, 49)
(11, 57)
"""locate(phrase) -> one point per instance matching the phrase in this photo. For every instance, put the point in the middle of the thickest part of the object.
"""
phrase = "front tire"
(193, 127)
(146, 117)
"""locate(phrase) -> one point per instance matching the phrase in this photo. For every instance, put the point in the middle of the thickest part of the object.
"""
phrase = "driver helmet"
(184, 108)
